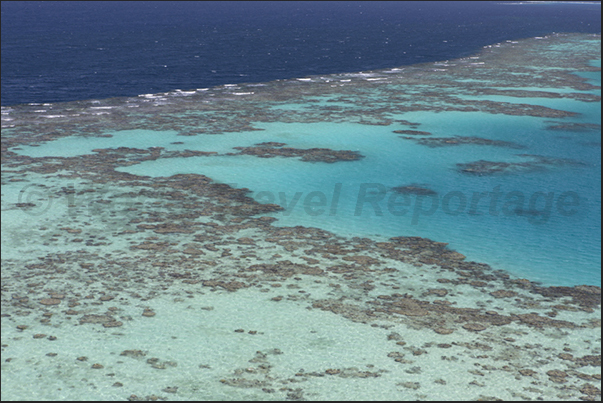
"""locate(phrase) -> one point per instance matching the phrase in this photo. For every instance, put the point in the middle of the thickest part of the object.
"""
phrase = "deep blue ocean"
(65, 51)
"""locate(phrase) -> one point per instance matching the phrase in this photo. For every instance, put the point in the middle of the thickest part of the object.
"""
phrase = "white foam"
(360, 75)
(149, 96)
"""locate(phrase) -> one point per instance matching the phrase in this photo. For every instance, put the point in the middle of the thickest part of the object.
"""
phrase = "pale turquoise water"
(561, 251)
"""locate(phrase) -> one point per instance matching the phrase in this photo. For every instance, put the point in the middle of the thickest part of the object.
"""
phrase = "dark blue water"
(63, 51)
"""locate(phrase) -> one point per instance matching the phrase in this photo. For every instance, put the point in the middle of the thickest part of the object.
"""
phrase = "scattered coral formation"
(461, 140)
(414, 189)
(537, 163)
(273, 149)
(573, 126)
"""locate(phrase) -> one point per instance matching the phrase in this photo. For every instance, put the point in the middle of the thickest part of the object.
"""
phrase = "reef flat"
(493, 167)
(272, 149)
(460, 140)
(147, 287)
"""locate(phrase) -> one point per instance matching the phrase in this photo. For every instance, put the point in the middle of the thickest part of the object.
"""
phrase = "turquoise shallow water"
(554, 248)
(560, 250)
